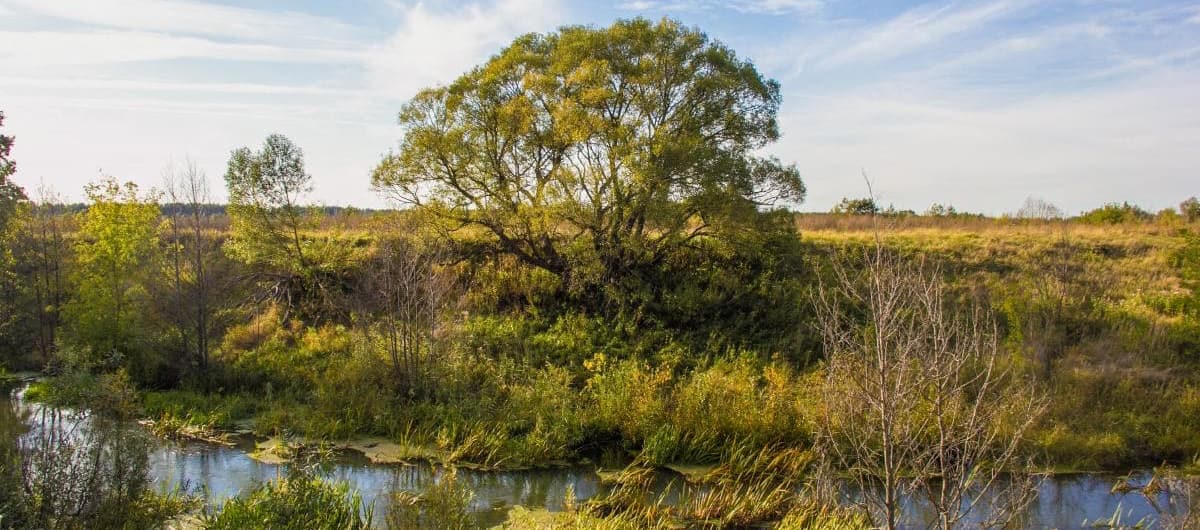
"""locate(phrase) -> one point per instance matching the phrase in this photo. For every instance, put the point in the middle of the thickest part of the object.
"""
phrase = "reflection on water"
(217, 473)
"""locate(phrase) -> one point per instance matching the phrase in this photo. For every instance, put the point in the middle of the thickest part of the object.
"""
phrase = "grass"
(297, 501)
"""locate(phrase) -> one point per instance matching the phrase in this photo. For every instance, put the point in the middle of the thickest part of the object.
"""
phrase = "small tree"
(265, 190)
(919, 398)
(404, 295)
(1035, 208)
(117, 244)
(864, 206)
(44, 254)
(200, 277)
(269, 224)
(1114, 213)
(1190, 209)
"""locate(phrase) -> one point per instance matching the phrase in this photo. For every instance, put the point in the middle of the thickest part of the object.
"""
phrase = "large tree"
(594, 153)
(11, 195)
(11, 199)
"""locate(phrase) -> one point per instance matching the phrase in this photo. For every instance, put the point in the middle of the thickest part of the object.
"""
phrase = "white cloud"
(433, 47)
(83, 83)
(770, 7)
(1005, 48)
(189, 17)
(39, 49)
(918, 28)
(777, 7)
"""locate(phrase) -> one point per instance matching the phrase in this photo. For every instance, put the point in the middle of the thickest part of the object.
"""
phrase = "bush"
(1113, 213)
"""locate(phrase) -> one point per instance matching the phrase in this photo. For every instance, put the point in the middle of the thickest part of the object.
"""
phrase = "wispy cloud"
(978, 103)
(770, 7)
(41, 49)
(83, 83)
(919, 28)
(191, 18)
(434, 46)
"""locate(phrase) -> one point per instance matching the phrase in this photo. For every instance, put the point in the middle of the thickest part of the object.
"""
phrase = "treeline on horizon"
(1034, 209)
(588, 271)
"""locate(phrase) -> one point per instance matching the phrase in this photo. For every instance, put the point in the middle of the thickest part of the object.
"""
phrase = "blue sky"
(975, 104)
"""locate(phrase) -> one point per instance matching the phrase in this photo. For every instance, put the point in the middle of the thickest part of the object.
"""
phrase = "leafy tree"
(11, 195)
(12, 198)
(594, 153)
(35, 287)
(265, 189)
(864, 206)
(269, 225)
(1190, 209)
(940, 210)
(117, 244)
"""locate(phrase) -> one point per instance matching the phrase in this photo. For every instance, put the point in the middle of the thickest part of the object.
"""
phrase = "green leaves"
(622, 143)
(11, 195)
(265, 188)
(118, 241)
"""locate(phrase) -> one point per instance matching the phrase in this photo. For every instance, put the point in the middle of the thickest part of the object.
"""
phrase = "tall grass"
(298, 501)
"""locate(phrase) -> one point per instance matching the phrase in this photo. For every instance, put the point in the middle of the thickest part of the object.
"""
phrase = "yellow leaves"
(516, 116)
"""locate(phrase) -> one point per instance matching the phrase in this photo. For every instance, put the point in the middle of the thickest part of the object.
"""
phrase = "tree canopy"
(265, 189)
(271, 230)
(118, 241)
(589, 152)
(11, 195)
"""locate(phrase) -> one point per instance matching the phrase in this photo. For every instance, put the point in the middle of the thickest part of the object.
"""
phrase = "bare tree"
(404, 296)
(46, 253)
(920, 399)
(1035, 208)
(196, 267)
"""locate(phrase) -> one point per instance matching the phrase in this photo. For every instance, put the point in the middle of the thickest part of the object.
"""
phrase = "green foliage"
(284, 355)
(116, 247)
(1113, 213)
(61, 475)
(12, 313)
(864, 206)
(271, 232)
(593, 153)
(299, 501)
(265, 189)
(214, 411)
(694, 419)
(11, 195)
(1190, 209)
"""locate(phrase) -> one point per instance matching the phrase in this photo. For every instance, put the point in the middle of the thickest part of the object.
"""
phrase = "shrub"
(1113, 213)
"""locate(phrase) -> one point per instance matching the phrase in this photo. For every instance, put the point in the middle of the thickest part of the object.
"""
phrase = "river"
(218, 472)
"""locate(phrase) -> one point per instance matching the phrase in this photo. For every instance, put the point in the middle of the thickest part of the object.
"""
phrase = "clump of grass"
(298, 501)
(445, 504)
(209, 411)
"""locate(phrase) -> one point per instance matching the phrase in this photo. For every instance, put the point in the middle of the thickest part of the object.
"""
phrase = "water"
(218, 473)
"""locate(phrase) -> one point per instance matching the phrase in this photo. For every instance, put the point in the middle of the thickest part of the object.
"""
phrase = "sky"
(972, 104)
